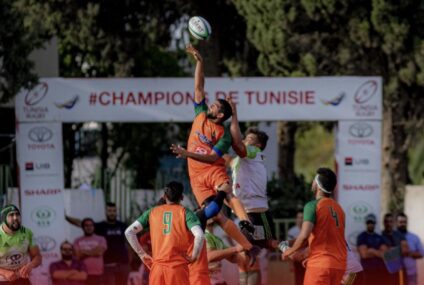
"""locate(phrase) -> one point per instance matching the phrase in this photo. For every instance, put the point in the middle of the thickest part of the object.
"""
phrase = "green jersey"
(14, 249)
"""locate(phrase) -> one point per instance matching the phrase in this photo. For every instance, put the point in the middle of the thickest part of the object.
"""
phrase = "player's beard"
(14, 226)
(66, 256)
(402, 229)
(211, 116)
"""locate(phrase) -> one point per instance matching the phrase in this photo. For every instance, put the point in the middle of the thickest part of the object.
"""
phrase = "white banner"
(171, 99)
(40, 160)
(358, 157)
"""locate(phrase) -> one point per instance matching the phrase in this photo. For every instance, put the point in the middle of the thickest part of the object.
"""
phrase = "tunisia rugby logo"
(366, 91)
(36, 94)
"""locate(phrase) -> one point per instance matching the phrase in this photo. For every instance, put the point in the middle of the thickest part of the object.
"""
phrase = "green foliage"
(17, 40)
(315, 147)
(287, 197)
(349, 37)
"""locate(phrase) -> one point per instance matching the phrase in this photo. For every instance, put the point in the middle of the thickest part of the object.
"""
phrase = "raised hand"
(179, 151)
(194, 52)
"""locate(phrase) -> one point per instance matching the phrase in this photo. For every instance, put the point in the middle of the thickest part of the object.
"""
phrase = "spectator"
(90, 249)
(18, 252)
(116, 262)
(295, 230)
(371, 247)
(68, 270)
(299, 269)
(394, 238)
(416, 250)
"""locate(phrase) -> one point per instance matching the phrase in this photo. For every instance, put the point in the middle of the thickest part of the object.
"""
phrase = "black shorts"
(264, 227)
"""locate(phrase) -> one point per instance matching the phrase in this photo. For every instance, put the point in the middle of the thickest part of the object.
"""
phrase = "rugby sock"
(231, 229)
(238, 209)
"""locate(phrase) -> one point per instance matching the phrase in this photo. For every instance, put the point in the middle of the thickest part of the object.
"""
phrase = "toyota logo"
(40, 134)
(46, 243)
(366, 91)
(36, 94)
(360, 130)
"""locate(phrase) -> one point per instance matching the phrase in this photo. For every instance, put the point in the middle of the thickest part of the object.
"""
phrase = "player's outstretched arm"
(235, 131)
(183, 153)
(199, 76)
(306, 230)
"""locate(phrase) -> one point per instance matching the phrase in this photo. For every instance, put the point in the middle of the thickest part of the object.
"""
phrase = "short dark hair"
(174, 191)
(110, 204)
(225, 109)
(86, 220)
(388, 215)
(327, 178)
(262, 136)
(403, 215)
(66, 242)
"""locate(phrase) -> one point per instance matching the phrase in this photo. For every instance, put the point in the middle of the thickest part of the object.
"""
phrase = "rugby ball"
(199, 28)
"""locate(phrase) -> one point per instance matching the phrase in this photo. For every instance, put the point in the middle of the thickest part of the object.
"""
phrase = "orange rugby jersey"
(206, 136)
(327, 241)
(170, 233)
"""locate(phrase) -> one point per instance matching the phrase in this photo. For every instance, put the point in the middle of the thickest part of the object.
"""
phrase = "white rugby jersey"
(250, 179)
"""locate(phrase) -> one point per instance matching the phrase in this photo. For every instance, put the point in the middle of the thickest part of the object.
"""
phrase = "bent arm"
(198, 241)
(73, 221)
(34, 253)
(131, 235)
(220, 254)
(306, 230)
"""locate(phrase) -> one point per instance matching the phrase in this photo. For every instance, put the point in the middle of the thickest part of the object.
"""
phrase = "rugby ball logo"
(199, 28)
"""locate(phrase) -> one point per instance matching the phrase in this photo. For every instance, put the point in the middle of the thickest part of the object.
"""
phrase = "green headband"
(6, 210)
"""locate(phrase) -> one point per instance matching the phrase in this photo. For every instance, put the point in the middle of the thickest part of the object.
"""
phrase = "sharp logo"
(43, 216)
(40, 134)
(46, 243)
(365, 92)
(36, 94)
(361, 130)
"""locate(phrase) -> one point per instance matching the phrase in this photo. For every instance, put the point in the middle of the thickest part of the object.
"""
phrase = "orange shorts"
(164, 275)
(204, 185)
(199, 271)
(323, 276)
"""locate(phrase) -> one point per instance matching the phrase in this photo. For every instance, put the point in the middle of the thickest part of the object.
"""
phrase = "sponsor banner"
(358, 155)
(171, 99)
(40, 160)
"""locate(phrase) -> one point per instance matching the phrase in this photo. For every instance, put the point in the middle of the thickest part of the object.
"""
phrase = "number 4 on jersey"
(334, 215)
(167, 222)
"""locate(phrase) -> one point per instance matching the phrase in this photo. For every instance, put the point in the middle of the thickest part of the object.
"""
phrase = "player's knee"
(220, 218)
(225, 187)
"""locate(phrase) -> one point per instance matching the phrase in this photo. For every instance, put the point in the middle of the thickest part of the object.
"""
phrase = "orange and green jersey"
(170, 233)
(327, 241)
(205, 137)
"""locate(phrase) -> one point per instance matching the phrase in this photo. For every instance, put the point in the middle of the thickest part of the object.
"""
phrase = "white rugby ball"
(199, 28)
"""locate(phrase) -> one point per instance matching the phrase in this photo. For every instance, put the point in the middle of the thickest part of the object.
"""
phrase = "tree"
(17, 41)
(346, 37)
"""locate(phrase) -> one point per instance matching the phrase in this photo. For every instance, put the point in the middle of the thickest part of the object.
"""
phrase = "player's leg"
(264, 236)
